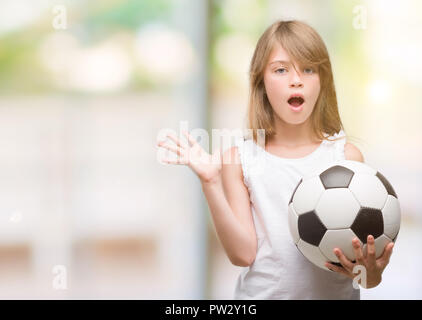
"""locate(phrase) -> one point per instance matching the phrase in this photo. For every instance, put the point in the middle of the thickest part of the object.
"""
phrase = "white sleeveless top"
(280, 271)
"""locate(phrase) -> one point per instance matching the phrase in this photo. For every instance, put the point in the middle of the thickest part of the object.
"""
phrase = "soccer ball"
(335, 204)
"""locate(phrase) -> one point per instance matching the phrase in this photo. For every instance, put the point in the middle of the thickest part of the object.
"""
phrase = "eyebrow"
(280, 61)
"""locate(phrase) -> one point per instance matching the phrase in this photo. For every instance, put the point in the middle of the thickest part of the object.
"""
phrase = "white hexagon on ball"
(337, 208)
(307, 195)
(338, 239)
(312, 253)
(368, 190)
(391, 217)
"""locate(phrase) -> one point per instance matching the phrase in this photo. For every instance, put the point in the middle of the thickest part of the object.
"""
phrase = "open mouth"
(296, 101)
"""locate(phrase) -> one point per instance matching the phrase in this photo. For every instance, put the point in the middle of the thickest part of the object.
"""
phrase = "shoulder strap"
(243, 151)
(253, 159)
(339, 140)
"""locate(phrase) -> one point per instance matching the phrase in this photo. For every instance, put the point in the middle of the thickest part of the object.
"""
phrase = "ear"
(351, 152)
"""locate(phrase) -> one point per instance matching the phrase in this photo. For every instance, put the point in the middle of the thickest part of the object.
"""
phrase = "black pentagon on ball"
(311, 229)
(294, 191)
(336, 177)
(386, 184)
(368, 221)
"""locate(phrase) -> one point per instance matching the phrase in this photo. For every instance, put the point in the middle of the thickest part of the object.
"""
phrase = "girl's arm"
(228, 199)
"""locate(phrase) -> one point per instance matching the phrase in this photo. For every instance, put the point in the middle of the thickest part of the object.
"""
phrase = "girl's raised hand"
(207, 167)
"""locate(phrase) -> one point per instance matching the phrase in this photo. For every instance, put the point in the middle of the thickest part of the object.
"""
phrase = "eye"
(308, 70)
(280, 69)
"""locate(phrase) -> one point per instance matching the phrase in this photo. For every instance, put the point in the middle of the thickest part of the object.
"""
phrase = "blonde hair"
(304, 45)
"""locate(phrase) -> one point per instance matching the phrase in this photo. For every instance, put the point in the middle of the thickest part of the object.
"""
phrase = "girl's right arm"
(228, 198)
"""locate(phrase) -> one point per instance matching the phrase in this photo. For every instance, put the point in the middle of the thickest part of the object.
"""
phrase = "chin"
(296, 121)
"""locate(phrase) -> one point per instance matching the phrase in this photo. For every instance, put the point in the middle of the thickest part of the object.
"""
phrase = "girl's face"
(284, 79)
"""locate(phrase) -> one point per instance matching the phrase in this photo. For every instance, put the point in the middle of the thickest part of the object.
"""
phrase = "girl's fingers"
(178, 161)
(176, 140)
(370, 255)
(358, 251)
(346, 263)
(338, 269)
(176, 150)
(191, 140)
(388, 250)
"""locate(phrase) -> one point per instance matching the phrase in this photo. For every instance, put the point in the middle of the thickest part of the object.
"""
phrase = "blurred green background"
(86, 87)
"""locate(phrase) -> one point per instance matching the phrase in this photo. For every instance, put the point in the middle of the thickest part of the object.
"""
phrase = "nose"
(295, 81)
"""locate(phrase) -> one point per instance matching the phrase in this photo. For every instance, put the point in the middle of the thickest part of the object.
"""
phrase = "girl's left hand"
(374, 267)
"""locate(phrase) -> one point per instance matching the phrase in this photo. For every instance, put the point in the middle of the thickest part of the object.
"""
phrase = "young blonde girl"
(293, 100)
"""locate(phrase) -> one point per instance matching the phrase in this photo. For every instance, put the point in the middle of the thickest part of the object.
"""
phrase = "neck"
(291, 135)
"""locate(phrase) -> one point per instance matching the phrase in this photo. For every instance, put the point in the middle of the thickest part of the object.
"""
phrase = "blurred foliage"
(252, 27)
(20, 68)
(105, 17)
(89, 21)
